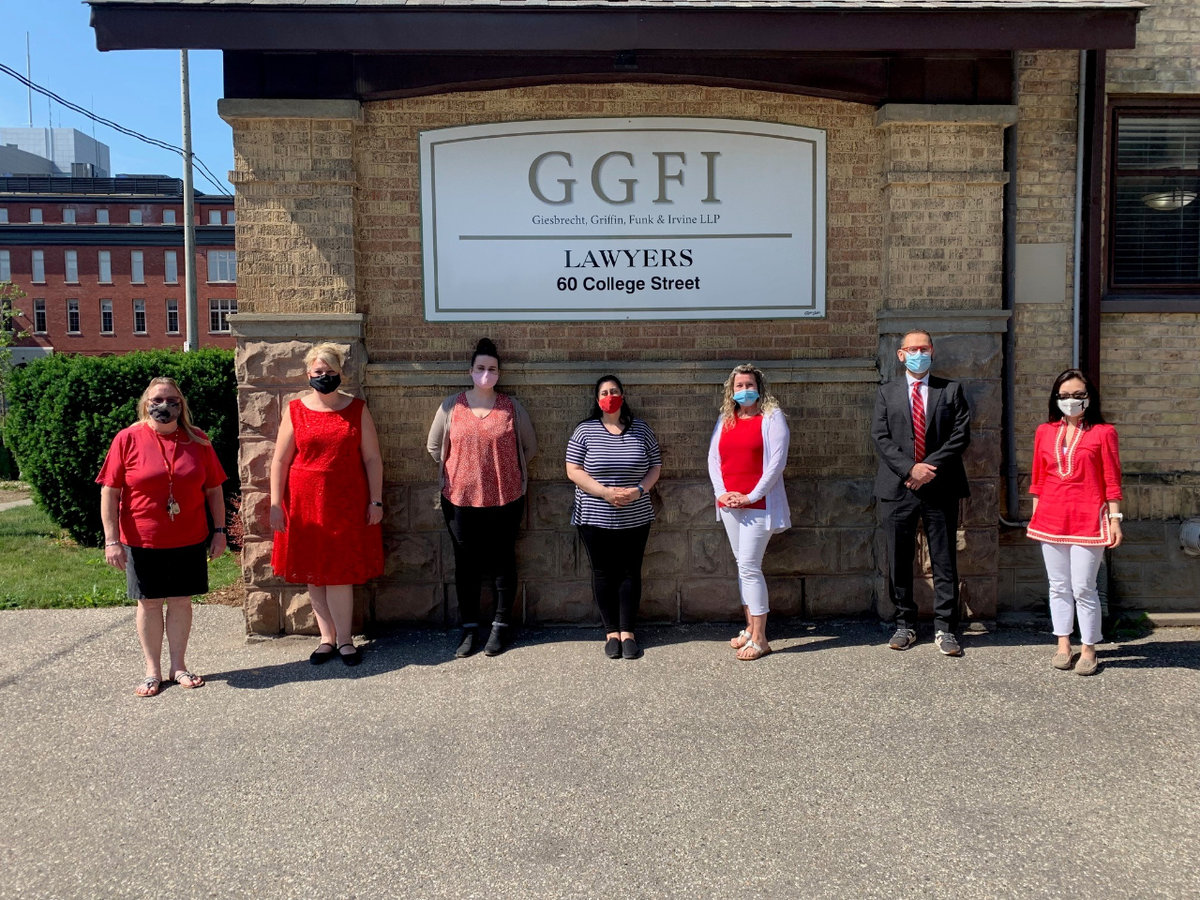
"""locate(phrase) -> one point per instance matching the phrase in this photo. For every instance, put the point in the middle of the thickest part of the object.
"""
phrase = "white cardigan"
(776, 437)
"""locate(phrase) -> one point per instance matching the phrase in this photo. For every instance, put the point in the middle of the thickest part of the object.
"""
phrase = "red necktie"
(918, 413)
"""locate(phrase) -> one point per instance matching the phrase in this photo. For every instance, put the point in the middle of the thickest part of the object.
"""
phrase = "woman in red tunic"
(327, 501)
(483, 441)
(1076, 489)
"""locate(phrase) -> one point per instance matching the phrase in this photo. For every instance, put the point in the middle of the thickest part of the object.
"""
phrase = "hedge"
(64, 411)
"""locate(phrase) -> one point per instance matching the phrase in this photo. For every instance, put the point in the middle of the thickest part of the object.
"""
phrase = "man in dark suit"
(921, 476)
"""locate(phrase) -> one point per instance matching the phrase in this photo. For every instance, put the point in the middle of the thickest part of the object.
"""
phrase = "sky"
(136, 88)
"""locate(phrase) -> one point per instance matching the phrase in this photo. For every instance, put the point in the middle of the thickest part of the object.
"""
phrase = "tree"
(9, 335)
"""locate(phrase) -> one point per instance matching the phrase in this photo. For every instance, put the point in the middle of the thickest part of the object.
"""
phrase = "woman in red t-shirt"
(1076, 487)
(746, 457)
(160, 485)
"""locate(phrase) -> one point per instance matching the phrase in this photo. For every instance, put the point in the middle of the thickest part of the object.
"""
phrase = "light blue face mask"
(917, 363)
(745, 398)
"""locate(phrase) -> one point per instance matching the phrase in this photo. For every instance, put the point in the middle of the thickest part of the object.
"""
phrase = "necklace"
(1065, 451)
(169, 465)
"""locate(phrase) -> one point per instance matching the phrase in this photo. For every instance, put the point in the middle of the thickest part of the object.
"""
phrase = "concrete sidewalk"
(833, 768)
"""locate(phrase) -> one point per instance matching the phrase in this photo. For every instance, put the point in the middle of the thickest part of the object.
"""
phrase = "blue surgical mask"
(745, 398)
(917, 363)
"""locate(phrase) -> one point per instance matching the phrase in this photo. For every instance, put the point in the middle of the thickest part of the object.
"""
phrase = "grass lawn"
(42, 568)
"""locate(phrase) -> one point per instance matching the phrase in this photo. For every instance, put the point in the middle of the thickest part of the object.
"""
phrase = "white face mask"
(1072, 407)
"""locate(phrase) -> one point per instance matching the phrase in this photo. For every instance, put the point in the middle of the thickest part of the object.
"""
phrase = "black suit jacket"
(947, 434)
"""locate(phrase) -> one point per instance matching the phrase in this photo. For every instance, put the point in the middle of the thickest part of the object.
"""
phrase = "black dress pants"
(940, 518)
(484, 539)
(616, 557)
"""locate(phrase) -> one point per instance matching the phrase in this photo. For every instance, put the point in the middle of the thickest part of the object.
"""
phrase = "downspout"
(1008, 426)
(1077, 243)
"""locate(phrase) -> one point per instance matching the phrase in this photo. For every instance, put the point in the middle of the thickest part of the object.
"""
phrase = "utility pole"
(192, 341)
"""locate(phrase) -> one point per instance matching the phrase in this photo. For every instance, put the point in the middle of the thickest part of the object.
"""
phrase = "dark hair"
(485, 347)
(1091, 415)
(625, 416)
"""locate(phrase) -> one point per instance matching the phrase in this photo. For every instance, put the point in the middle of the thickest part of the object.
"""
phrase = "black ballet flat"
(612, 648)
(319, 656)
(350, 659)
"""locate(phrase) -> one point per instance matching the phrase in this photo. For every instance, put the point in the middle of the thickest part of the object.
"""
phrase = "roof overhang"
(608, 26)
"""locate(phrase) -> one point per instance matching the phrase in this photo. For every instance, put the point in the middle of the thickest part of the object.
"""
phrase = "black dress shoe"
(612, 648)
(499, 639)
(630, 648)
(353, 658)
(319, 656)
(469, 643)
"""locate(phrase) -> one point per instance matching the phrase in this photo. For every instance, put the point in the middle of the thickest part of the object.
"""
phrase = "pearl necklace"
(1065, 451)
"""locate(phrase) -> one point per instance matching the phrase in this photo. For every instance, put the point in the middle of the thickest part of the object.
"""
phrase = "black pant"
(941, 530)
(616, 557)
(484, 539)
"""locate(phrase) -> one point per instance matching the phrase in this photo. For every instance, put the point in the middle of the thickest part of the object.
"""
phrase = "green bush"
(65, 410)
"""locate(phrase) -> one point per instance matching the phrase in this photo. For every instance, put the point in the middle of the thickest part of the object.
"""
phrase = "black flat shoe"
(350, 659)
(612, 648)
(319, 656)
(469, 643)
(630, 649)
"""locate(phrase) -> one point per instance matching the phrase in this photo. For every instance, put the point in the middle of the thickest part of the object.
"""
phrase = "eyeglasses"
(1077, 395)
(923, 349)
(174, 404)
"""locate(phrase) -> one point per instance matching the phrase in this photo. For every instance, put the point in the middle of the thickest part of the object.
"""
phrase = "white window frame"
(104, 266)
(35, 215)
(222, 262)
(73, 314)
(101, 216)
(5, 265)
(168, 217)
(139, 313)
(137, 267)
(68, 217)
(106, 310)
(214, 217)
(37, 266)
(170, 267)
(231, 217)
(135, 217)
(39, 316)
(71, 266)
(173, 313)
(219, 311)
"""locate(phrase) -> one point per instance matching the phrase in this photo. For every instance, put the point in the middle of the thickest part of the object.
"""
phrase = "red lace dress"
(327, 540)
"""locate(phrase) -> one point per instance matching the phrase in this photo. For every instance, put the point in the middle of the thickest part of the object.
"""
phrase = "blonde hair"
(766, 400)
(185, 414)
(330, 354)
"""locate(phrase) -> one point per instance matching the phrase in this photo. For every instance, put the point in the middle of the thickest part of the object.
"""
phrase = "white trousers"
(1071, 569)
(748, 536)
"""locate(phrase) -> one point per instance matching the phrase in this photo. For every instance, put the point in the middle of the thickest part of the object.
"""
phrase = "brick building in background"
(101, 263)
(995, 172)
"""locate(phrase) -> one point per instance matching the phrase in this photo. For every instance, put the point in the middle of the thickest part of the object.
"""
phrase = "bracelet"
(1117, 516)
(111, 543)
(377, 503)
(218, 531)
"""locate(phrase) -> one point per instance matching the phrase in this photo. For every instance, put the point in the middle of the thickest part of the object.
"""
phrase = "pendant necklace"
(172, 506)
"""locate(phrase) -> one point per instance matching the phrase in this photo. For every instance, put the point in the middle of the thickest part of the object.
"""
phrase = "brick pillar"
(944, 183)
(294, 181)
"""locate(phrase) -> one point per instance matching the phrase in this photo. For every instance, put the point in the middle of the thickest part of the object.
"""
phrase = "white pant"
(1071, 569)
(748, 536)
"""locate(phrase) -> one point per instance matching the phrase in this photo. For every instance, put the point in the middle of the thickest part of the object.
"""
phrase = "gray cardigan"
(438, 442)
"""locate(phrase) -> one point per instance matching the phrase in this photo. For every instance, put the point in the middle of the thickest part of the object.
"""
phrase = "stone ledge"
(304, 327)
(944, 114)
(233, 109)
(791, 371)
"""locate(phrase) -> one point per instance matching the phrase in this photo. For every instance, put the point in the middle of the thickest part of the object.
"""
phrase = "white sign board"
(649, 218)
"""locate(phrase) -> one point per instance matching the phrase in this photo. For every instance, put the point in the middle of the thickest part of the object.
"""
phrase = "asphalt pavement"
(832, 768)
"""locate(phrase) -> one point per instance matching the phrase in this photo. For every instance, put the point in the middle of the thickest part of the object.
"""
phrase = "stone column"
(944, 178)
(294, 182)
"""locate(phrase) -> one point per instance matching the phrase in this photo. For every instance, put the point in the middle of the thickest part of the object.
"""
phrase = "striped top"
(614, 460)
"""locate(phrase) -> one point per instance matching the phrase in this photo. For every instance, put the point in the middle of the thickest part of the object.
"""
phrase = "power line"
(155, 142)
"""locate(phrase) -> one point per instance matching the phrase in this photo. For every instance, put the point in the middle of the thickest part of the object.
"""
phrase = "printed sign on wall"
(649, 218)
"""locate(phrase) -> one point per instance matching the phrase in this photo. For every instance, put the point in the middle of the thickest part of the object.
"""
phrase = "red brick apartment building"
(101, 263)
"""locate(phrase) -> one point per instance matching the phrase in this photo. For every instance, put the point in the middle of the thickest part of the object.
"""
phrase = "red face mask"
(610, 404)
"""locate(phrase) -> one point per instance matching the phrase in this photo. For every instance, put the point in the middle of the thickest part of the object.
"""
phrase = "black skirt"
(155, 574)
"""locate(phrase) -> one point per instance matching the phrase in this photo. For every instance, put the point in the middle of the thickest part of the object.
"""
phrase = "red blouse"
(1073, 484)
(148, 468)
(484, 466)
(741, 449)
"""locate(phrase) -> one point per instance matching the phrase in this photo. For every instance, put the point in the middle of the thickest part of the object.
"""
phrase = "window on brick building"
(137, 268)
(106, 317)
(170, 267)
(139, 316)
(3, 216)
(102, 217)
(5, 265)
(39, 316)
(35, 216)
(71, 266)
(214, 217)
(1154, 205)
(168, 217)
(172, 317)
(105, 268)
(73, 317)
(68, 217)
(135, 217)
(38, 261)
(219, 311)
(231, 218)
(222, 266)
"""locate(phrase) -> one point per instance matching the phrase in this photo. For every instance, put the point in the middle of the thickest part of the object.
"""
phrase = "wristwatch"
(218, 531)
(641, 491)
(1117, 516)
(377, 503)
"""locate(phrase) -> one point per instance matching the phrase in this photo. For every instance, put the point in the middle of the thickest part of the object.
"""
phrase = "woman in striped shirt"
(614, 461)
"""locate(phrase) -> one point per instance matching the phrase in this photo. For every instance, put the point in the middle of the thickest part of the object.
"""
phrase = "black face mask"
(162, 412)
(327, 383)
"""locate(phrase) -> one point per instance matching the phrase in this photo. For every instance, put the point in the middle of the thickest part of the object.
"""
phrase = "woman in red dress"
(483, 441)
(327, 501)
(160, 484)
(1076, 487)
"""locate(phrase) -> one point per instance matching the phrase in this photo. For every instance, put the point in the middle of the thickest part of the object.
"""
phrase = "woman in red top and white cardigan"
(1076, 489)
